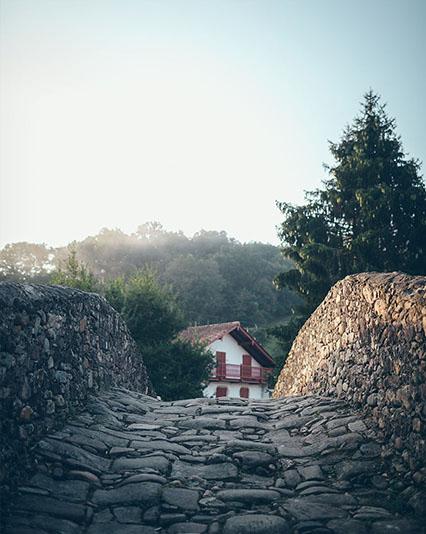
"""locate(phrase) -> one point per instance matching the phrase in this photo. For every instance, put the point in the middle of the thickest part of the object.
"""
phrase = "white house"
(242, 364)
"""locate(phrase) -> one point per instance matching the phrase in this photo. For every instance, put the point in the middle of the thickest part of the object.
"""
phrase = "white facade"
(234, 356)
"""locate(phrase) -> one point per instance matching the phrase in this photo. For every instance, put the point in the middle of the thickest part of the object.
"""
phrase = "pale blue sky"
(199, 114)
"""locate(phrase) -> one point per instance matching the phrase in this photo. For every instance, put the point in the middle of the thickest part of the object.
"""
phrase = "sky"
(195, 113)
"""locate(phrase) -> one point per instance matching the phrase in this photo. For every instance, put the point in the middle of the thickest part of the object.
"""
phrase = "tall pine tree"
(370, 215)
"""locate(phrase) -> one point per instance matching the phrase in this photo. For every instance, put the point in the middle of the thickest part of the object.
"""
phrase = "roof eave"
(253, 347)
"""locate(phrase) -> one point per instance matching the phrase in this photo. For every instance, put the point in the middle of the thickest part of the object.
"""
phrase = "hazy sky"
(195, 113)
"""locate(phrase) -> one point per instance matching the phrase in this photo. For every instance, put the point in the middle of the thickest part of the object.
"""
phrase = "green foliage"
(371, 214)
(177, 369)
(150, 311)
(284, 334)
(73, 273)
(114, 291)
(199, 287)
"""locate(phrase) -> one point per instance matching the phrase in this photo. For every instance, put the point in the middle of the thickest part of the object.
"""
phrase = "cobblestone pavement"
(134, 465)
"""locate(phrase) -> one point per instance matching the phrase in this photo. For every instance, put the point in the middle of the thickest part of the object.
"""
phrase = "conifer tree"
(73, 273)
(370, 215)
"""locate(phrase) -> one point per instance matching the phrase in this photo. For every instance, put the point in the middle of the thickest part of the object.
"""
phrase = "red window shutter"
(221, 391)
(244, 393)
(221, 364)
(246, 359)
(220, 357)
(246, 367)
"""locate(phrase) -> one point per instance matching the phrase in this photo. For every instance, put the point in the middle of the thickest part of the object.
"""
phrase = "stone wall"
(366, 343)
(57, 346)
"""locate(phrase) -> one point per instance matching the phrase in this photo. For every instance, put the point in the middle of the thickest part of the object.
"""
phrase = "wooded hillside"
(214, 277)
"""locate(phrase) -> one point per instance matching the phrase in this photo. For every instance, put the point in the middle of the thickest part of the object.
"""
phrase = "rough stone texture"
(57, 345)
(366, 343)
(335, 484)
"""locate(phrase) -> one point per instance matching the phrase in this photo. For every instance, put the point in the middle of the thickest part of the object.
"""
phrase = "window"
(244, 393)
(221, 391)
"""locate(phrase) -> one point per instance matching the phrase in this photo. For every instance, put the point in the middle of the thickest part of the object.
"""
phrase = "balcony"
(240, 373)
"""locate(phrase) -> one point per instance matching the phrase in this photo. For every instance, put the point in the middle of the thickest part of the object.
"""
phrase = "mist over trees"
(72, 273)
(25, 262)
(214, 278)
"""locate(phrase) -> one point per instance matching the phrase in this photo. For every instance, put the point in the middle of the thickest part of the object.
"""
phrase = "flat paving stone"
(187, 527)
(73, 454)
(118, 528)
(223, 471)
(306, 509)
(334, 499)
(347, 526)
(210, 423)
(143, 426)
(128, 514)
(146, 493)
(251, 459)
(186, 499)
(256, 524)
(162, 445)
(143, 477)
(248, 495)
(357, 426)
(240, 444)
(310, 472)
(158, 463)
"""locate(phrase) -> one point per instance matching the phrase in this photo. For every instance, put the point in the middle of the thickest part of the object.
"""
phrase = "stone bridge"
(85, 447)
(130, 464)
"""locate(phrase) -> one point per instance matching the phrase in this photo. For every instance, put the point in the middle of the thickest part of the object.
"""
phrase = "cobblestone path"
(134, 465)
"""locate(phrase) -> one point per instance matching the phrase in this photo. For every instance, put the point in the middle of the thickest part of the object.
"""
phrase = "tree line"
(214, 277)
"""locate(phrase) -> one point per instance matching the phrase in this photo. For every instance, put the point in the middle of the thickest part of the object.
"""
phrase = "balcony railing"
(240, 373)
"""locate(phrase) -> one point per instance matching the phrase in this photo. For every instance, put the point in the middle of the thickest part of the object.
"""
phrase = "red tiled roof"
(212, 332)
(209, 332)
